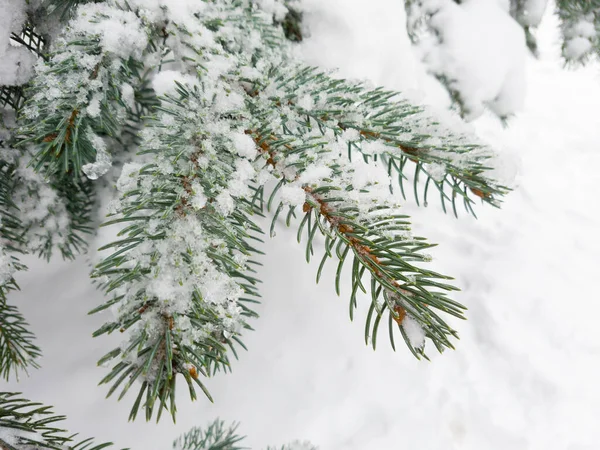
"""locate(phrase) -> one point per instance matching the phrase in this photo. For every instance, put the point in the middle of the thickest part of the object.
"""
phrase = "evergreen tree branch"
(26, 425)
(52, 214)
(180, 276)
(580, 26)
(216, 436)
(65, 9)
(325, 148)
(183, 311)
(390, 128)
(17, 350)
(358, 216)
(84, 92)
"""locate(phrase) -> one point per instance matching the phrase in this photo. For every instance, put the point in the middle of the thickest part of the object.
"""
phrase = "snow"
(164, 81)
(524, 372)
(244, 145)
(579, 38)
(41, 211)
(120, 32)
(198, 199)
(128, 179)
(17, 66)
(416, 334)
(292, 195)
(103, 161)
(576, 48)
(274, 7)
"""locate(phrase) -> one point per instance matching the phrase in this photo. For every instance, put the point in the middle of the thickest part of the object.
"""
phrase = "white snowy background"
(526, 371)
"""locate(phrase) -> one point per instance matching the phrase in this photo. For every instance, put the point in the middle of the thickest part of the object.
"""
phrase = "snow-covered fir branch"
(580, 25)
(475, 49)
(82, 92)
(219, 123)
(237, 114)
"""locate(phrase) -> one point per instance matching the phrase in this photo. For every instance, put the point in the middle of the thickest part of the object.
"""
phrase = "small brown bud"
(401, 314)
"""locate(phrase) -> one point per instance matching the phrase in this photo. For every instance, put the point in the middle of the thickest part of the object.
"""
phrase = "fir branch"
(359, 221)
(54, 214)
(328, 133)
(180, 276)
(216, 436)
(43, 206)
(65, 9)
(17, 350)
(580, 26)
(83, 91)
(26, 425)
(455, 164)
(11, 228)
(29, 424)
(191, 201)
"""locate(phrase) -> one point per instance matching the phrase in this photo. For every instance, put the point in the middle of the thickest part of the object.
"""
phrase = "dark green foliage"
(292, 25)
(216, 436)
(17, 350)
(79, 198)
(35, 426)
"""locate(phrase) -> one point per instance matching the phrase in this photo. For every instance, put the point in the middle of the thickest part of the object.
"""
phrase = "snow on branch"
(82, 92)
(475, 49)
(580, 26)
